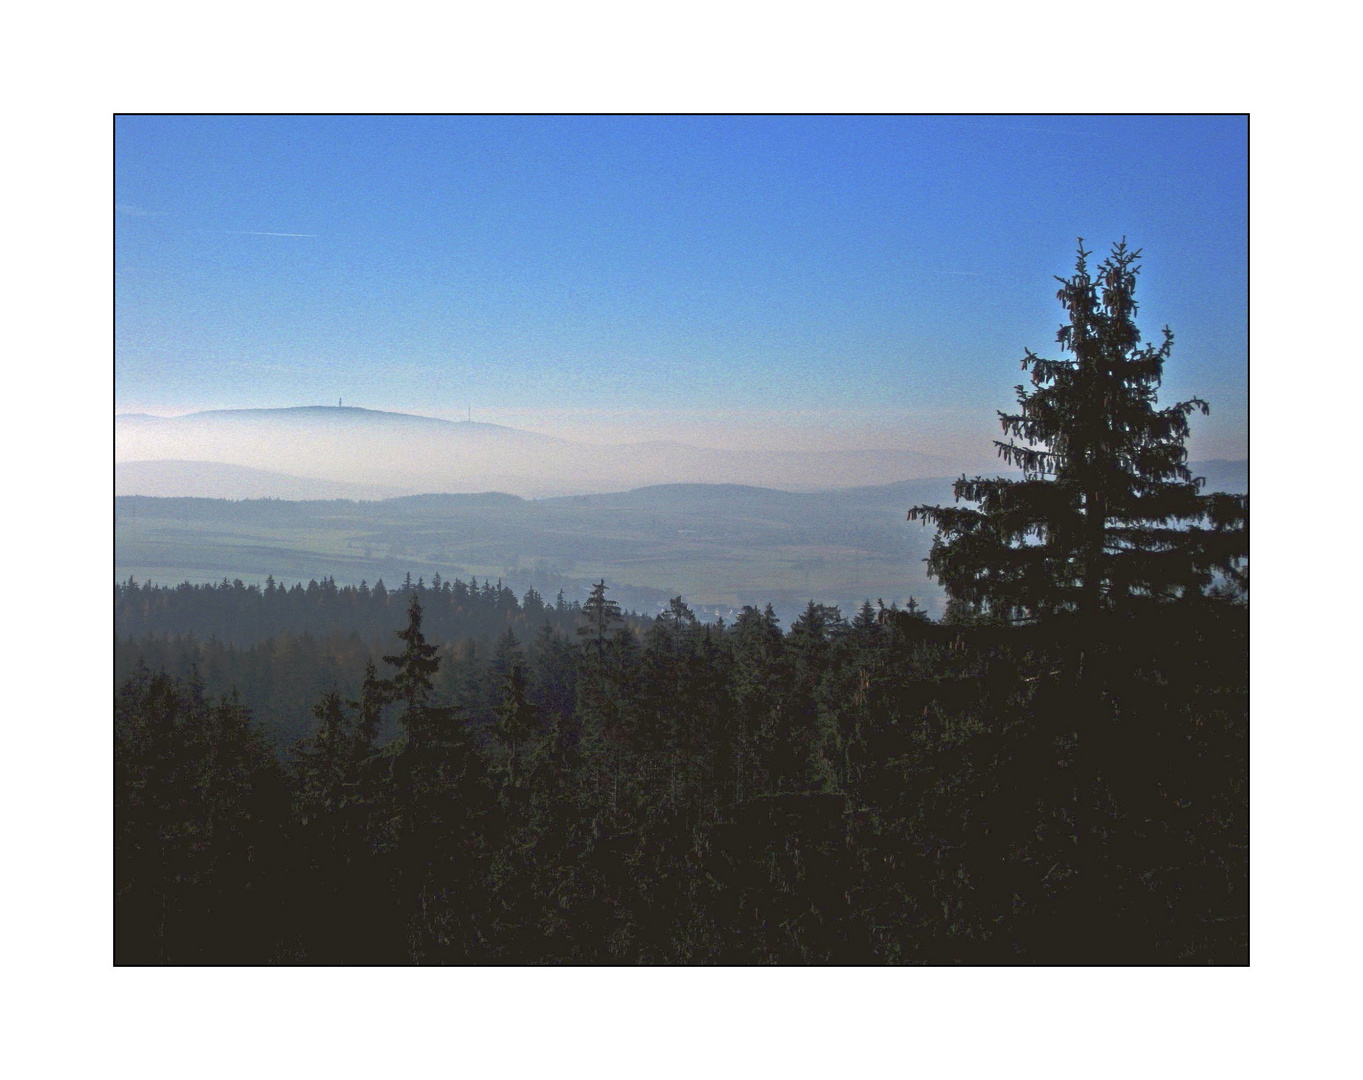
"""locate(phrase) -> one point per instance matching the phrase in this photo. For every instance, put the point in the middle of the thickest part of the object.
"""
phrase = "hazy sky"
(823, 282)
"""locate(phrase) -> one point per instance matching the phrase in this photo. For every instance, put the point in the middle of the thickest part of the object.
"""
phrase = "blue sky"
(803, 282)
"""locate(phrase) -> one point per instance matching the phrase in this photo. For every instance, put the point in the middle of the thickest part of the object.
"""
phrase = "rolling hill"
(719, 545)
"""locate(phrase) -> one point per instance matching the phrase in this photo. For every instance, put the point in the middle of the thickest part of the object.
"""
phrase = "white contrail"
(252, 232)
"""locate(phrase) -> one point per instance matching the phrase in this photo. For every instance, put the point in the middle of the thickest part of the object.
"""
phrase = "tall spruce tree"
(1107, 514)
(440, 789)
(437, 767)
(601, 614)
(416, 665)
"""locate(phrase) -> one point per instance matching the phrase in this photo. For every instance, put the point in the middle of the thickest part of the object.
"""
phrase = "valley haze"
(358, 495)
(348, 452)
(361, 494)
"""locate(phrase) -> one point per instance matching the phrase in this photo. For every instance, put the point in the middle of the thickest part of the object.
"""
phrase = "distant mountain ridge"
(336, 414)
(1223, 474)
(351, 445)
(217, 480)
(329, 451)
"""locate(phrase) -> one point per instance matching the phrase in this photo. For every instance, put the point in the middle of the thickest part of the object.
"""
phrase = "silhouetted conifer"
(1107, 512)
(601, 614)
(440, 789)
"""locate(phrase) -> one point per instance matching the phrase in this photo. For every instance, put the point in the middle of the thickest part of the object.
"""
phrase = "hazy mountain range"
(216, 480)
(308, 451)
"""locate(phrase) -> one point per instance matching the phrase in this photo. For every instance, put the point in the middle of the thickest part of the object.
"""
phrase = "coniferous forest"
(1054, 773)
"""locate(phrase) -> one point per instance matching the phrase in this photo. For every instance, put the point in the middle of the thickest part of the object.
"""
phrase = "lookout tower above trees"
(1107, 515)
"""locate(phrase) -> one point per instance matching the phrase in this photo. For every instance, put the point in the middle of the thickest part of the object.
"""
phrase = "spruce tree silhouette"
(1107, 512)
(601, 614)
(441, 791)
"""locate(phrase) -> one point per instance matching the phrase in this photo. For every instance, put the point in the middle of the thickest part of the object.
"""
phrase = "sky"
(859, 282)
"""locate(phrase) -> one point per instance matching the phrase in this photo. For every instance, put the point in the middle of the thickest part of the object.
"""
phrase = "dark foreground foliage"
(884, 790)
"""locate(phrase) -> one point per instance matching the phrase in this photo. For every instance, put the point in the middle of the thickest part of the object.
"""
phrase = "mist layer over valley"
(336, 452)
(721, 546)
